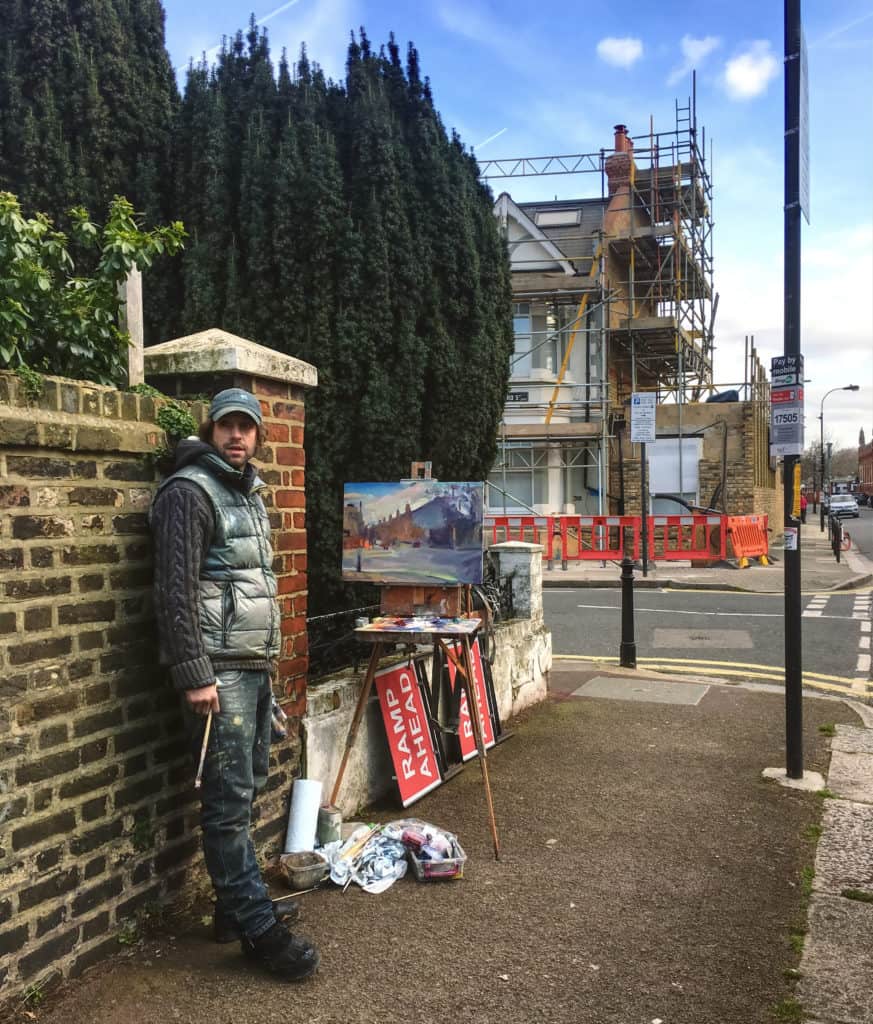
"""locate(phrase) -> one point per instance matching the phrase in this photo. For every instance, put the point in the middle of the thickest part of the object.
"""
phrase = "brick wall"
(96, 804)
(740, 446)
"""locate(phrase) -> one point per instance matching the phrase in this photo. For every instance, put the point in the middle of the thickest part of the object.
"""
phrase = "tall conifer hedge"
(336, 222)
(88, 100)
(340, 223)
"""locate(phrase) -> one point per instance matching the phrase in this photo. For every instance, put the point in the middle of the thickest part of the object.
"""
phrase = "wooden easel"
(383, 636)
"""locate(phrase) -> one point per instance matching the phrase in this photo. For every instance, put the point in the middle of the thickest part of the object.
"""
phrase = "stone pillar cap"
(515, 545)
(217, 351)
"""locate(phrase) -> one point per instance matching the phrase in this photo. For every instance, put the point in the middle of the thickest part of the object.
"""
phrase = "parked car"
(843, 506)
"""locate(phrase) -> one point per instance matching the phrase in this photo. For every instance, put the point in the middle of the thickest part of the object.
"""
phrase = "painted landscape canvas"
(413, 532)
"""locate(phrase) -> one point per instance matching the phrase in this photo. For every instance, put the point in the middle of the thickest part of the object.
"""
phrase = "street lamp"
(848, 387)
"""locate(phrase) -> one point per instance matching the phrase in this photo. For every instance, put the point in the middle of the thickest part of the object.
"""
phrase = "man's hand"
(203, 700)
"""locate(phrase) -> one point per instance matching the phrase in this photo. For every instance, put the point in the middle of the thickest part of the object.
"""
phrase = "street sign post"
(643, 411)
(786, 424)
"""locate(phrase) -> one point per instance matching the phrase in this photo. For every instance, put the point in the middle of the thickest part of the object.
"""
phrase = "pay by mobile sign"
(786, 405)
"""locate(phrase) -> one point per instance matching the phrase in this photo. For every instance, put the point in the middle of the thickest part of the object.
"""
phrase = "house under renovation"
(613, 294)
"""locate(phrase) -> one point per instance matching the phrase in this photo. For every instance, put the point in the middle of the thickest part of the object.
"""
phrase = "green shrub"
(54, 321)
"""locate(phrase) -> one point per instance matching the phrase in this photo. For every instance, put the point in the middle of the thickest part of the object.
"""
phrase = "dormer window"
(558, 218)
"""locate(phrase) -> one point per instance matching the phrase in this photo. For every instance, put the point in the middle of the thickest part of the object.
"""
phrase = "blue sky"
(521, 79)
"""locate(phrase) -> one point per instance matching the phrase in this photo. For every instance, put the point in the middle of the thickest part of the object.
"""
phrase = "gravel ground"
(647, 873)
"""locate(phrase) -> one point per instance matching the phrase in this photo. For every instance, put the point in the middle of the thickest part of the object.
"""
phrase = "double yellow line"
(733, 669)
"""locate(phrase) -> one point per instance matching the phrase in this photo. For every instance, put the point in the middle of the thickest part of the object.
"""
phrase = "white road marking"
(674, 611)
(863, 665)
(864, 643)
(815, 608)
(741, 615)
(865, 626)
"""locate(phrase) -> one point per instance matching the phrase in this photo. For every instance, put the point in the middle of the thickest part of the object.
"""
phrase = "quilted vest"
(239, 617)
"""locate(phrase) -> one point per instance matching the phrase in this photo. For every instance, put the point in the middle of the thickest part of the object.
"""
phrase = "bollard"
(628, 650)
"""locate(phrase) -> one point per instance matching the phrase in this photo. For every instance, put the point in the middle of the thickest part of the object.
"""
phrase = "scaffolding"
(648, 261)
(628, 273)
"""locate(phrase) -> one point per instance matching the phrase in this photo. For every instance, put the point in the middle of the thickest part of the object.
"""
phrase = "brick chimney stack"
(623, 142)
(618, 165)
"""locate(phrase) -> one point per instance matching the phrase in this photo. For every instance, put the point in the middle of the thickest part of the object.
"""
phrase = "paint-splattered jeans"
(237, 761)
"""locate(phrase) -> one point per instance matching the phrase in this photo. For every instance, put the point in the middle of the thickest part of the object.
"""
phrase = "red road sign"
(408, 732)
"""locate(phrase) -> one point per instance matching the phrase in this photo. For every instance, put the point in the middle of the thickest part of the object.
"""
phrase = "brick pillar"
(207, 362)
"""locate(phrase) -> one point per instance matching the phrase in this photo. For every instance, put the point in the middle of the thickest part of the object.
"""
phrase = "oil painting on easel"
(413, 532)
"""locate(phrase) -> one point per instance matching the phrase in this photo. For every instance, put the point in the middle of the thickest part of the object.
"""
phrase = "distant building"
(865, 469)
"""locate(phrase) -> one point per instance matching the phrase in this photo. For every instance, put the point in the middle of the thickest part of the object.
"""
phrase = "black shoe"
(225, 930)
(289, 957)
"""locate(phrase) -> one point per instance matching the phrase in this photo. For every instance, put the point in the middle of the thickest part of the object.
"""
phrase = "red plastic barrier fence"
(692, 538)
(532, 529)
(570, 538)
(597, 538)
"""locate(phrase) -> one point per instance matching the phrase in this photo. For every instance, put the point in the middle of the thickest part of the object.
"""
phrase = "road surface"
(726, 634)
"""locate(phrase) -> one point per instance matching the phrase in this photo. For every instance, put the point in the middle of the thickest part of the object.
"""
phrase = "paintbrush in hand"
(199, 778)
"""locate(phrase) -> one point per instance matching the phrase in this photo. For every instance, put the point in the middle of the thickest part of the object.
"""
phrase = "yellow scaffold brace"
(580, 312)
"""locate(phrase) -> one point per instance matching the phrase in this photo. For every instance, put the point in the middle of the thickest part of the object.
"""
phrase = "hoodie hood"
(191, 451)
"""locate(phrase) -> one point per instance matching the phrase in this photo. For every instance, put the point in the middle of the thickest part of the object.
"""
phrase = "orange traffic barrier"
(748, 536)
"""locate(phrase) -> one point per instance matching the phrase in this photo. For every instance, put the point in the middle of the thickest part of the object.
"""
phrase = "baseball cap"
(235, 400)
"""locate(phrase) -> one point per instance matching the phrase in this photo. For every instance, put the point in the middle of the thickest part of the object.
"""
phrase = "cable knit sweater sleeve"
(182, 526)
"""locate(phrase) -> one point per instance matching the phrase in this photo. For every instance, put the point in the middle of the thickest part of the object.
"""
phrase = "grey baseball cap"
(235, 400)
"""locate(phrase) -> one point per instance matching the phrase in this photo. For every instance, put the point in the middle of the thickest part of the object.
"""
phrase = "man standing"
(219, 632)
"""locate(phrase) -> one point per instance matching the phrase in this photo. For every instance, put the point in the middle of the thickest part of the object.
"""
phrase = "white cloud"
(748, 74)
(694, 53)
(620, 52)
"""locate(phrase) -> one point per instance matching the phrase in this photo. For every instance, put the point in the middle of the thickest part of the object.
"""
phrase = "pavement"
(819, 570)
(656, 866)
(650, 871)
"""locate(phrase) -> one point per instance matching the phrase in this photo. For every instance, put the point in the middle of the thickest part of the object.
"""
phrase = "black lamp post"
(848, 387)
